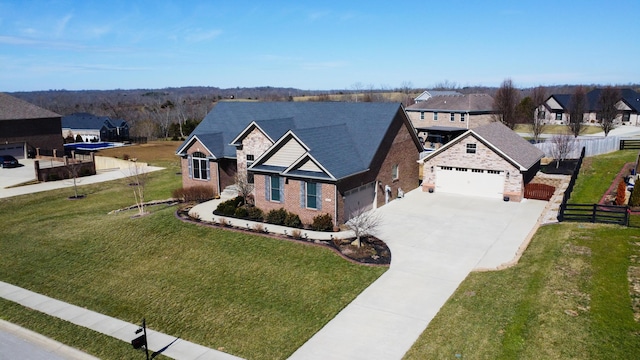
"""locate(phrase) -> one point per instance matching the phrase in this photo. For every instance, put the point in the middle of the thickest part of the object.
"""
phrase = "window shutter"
(302, 194)
(190, 161)
(319, 196)
(281, 189)
(208, 170)
(267, 187)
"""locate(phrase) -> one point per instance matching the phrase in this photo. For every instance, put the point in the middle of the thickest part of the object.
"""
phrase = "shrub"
(322, 222)
(621, 193)
(228, 208)
(255, 214)
(296, 234)
(634, 200)
(241, 213)
(195, 193)
(258, 227)
(292, 220)
(276, 217)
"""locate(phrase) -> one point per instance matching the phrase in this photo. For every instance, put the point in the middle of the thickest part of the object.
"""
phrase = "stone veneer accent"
(484, 158)
(255, 143)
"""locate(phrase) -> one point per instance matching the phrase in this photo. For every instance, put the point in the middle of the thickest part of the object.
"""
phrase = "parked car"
(8, 161)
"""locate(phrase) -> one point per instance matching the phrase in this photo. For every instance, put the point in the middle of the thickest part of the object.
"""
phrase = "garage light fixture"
(431, 168)
(507, 174)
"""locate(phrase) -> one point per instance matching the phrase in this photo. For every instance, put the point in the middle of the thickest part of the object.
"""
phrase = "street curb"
(51, 345)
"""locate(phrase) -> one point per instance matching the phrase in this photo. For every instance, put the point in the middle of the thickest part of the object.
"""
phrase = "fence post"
(593, 214)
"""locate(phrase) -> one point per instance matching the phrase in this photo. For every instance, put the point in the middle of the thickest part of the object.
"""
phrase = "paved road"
(19, 343)
(435, 241)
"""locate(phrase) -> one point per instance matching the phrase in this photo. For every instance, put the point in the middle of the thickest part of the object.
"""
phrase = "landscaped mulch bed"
(372, 251)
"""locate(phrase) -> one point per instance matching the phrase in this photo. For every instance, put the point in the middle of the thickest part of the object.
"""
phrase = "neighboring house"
(441, 118)
(428, 94)
(488, 161)
(310, 158)
(25, 128)
(94, 128)
(556, 108)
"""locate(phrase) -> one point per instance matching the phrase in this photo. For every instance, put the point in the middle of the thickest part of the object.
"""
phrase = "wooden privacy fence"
(594, 213)
(539, 191)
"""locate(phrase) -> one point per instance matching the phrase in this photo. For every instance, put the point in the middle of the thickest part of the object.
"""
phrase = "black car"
(8, 161)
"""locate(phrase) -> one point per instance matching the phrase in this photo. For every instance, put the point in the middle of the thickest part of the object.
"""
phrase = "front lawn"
(248, 295)
(557, 129)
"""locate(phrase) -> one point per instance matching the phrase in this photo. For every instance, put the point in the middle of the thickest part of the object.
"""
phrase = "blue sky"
(317, 45)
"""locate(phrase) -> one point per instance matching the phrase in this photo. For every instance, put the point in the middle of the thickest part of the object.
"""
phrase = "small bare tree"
(138, 175)
(505, 102)
(363, 223)
(538, 122)
(609, 97)
(243, 186)
(577, 108)
(73, 168)
(562, 146)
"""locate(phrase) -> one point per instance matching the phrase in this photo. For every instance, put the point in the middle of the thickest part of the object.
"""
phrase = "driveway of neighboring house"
(18, 175)
(436, 240)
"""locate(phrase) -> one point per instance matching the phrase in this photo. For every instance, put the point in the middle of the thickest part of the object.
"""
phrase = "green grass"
(557, 129)
(248, 295)
(597, 174)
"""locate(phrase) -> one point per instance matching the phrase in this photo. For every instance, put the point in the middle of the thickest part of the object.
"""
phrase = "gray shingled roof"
(510, 143)
(457, 103)
(629, 96)
(12, 108)
(342, 136)
(85, 121)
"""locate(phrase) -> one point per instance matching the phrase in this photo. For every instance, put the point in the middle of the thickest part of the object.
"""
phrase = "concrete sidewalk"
(436, 240)
(61, 184)
(113, 327)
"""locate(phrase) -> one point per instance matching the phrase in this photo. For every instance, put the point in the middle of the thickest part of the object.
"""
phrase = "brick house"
(488, 161)
(25, 128)
(310, 158)
(556, 108)
(442, 117)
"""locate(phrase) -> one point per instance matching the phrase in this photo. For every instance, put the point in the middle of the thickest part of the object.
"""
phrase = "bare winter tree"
(446, 85)
(357, 89)
(577, 107)
(538, 122)
(363, 223)
(562, 146)
(609, 97)
(505, 102)
(243, 186)
(137, 178)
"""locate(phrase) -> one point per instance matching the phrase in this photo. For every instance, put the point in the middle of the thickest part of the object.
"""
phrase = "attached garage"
(16, 150)
(467, 181)
(359, 199)
(489, 161)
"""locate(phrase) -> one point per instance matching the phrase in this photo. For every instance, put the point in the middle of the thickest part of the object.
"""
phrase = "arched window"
(200, 166)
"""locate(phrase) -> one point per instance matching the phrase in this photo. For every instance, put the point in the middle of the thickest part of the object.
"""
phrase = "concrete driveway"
(435, 241)
(18, 175)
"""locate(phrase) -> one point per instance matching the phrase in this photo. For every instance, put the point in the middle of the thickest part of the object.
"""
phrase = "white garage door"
(16, 150)
(473, 182)
(359, 199)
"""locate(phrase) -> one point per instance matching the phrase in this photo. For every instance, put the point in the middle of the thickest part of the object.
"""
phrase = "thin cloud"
(58, 45)
(62, 25)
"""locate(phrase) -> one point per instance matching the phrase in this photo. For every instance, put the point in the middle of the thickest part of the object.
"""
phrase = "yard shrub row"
(237, 208)
(194, 193)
